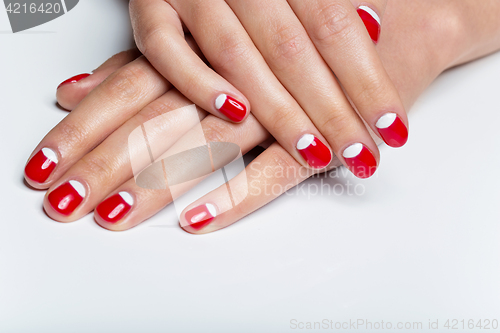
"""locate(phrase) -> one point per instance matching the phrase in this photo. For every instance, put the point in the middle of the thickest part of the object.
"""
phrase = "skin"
(425, 39)
(277, 55)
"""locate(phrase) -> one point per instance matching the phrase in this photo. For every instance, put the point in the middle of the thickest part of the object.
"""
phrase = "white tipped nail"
(50, 154)
(211, 209)
(219, 102)
(305, 141)
(78, 187)
(386, 120)
(353, 150)
(127, 197)
(202, 213)
(371, 12)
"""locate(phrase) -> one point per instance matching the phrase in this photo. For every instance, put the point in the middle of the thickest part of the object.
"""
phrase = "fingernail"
(41, 165)
(74, 79)
(67, 197)
(201, 216)
(231, 108)
(392, 130)
(371, 21)
(315, 152)
(114, 208)
(360, 160)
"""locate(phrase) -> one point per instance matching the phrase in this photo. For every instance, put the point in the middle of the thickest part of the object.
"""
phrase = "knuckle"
(232, 50)
(288, 43)
(148, 37)
(284, 165)
(372, 88)
(336, 125)
(124, 85)
(98, 165)
(155, 109)
(72, 135)
(281, 118)
(334, 20)
(198, 8)
(217, 130)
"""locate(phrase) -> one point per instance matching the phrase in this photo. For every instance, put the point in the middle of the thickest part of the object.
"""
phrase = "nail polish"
(315, 152)
(392, 130)
(114, 208)
(360, 160)
(371, 21)
(41, 165)
(231, 108)
(200, 216)
(67, 197)
(73, 79)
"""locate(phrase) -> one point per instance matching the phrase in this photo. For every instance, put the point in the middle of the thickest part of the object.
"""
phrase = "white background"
(421, 243)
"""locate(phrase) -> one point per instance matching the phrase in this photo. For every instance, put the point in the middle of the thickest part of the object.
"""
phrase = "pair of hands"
(286, 61)
(85, 163)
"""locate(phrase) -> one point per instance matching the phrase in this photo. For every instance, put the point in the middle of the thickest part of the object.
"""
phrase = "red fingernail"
(67, 197)
(371, 21)
(392, 130)
(231, 108)
(41, 165)
(315, 152)
(74, 79)
(114, 208)
(360, 160)
(201, 216)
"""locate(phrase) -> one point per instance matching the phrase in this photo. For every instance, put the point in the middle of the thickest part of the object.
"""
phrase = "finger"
(292, 56)
(106, 167)
(73, 90)
(106, 108)
(341, 38)
(267, 177)
(232, 53)
(159, 35)
(115, 213)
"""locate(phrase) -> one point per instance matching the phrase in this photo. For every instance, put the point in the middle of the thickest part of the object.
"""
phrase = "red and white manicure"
(67, 197)
(360, 160)
(371, 20)
(315, 152)
(392, 130)
(231, 108)
(74, 79)
(41, 165)
(114, 208)
(200, 216)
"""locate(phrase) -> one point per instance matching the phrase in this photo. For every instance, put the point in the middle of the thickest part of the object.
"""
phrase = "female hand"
(105, 171)
(281, 55)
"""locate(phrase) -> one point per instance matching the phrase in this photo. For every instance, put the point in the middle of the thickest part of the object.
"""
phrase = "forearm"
(482, 19)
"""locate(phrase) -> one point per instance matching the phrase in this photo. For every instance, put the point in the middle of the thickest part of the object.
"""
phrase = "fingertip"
(112, 212)
(199, 219)
(230, 107)
(40, 168)
(393, 130)
(72, 91)
(108, 225)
